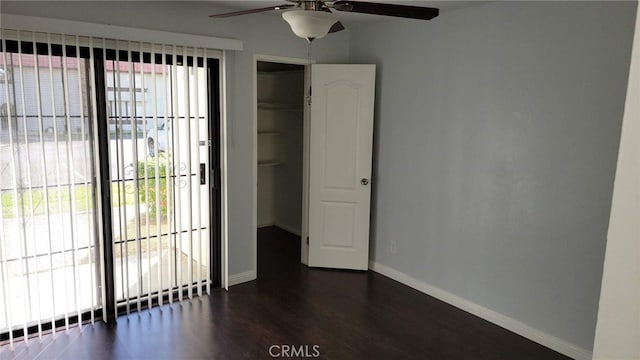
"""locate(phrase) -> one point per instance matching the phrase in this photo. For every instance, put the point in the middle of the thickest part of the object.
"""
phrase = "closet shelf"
(279, 106)
(278, 72)
(268, 163)
(269, 133)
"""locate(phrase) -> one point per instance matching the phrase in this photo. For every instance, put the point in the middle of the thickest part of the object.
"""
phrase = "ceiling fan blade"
(252, 11)
(404, 11)
(336, 27)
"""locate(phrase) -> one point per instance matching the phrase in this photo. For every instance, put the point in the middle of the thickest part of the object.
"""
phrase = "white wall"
(261, 34)
(618, 329)
(497, 130)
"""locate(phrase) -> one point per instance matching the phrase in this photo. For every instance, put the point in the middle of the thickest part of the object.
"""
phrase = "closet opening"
(280, 145)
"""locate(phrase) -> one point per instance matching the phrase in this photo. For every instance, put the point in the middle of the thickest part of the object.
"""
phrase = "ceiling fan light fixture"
(309, 24)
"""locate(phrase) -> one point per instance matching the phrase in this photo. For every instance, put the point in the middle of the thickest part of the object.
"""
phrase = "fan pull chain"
(308, 97)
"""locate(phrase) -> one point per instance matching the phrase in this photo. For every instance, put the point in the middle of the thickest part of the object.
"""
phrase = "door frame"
(304, 250)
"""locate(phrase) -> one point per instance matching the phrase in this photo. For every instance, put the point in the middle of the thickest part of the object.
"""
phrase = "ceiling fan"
(312, 19)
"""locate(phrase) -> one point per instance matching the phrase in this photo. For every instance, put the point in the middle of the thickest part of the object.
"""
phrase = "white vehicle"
(161, 139)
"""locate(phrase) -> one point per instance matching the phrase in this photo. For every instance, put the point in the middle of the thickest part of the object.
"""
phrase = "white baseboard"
(506, 322)
(284, 227)
(288, 228)
(266, 224)
(242, 277)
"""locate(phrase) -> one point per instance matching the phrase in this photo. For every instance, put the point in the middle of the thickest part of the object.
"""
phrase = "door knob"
(364, 181)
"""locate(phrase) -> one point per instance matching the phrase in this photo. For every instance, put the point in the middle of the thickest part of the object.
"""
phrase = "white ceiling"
(443, 5)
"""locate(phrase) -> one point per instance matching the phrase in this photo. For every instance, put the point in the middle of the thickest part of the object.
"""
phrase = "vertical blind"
(55, 264)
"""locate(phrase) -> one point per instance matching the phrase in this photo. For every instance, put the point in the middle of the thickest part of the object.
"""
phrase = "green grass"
(118, 190)
(60, 200)
(80, 197)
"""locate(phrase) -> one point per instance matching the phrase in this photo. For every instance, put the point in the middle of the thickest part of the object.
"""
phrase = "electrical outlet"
(393, 246)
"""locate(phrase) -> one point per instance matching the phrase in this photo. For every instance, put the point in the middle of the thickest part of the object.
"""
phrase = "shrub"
(148, 186)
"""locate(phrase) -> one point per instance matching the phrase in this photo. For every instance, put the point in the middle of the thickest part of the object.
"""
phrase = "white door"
(340, 165)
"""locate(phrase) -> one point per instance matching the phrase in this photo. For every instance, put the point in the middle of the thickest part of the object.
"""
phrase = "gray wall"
(261, 34)
(495, 151)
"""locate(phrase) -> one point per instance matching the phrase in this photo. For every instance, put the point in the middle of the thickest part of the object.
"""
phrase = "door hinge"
(309, 96)
(307, 240)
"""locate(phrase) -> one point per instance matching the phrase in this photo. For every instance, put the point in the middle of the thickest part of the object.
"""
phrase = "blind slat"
(58, 178)
(198, 194)
(154, 99)
(72, 193)
(87, 184)
(36, 297)
(122, 190)
(177, 168)
(188, 137)
(5, 270)
(145, 130)
(168, 172)
(130, 73)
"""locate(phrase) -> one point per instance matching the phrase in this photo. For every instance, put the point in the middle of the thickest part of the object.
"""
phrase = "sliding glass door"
(109, 168)
(159, 156)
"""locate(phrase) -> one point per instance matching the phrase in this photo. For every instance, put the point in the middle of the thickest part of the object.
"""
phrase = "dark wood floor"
(349, 315)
